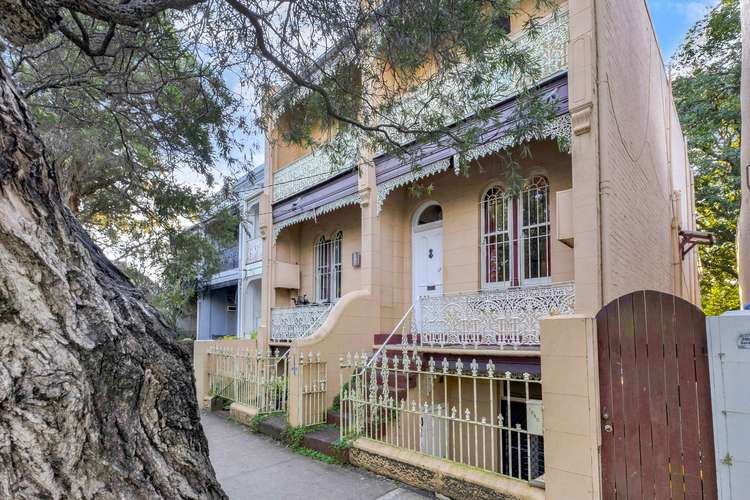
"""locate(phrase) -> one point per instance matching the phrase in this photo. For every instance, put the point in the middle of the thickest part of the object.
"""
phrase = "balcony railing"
(228, 259)
(314, 168)
(548, 49)
(502, 318)
(255, 250)
(290, 323)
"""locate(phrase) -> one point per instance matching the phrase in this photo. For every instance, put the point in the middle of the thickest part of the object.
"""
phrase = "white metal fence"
(310, 374)
(254, 379)
(290, 323)
(471, 414)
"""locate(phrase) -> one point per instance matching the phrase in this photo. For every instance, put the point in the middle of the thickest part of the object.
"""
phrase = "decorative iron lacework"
(548, 49)
(508, 317)
(312, 169)
(290, 323)
(388, 186)
(557, 129)
(352, 199)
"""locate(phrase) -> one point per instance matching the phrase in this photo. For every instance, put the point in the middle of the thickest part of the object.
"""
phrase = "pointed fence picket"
(310, 374)
(252, 378)
(470, 415)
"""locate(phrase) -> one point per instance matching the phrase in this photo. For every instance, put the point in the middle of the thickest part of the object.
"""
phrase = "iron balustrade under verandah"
(504, 318)
(471, 415)
(261, 380)
(291, 323)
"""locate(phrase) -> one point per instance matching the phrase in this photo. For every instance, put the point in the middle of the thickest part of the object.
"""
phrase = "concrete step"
(334, 417)
(323, 441)
(274, 426)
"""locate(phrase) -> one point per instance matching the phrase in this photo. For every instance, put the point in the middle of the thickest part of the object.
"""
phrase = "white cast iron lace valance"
(352, 199)
(557, 129)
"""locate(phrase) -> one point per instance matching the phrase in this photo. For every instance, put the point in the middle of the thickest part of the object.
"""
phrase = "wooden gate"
(657, 435)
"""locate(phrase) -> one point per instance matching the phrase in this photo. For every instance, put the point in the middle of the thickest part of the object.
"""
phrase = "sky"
(672, 19)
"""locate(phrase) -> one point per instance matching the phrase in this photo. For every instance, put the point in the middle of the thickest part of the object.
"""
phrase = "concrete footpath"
(254, 466)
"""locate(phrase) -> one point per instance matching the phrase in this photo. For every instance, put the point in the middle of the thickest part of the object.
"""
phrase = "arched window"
(496, 237)
(515, 234)
(535, 228)
(327, 255)
(433, 213)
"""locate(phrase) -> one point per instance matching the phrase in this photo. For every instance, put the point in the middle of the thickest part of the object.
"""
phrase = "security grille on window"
(515, 234)
(328, 268)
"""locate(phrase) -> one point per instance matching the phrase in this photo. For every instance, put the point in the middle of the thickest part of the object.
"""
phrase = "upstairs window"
(535, 228)
(327, 257)
(515, 235)
(496, 237)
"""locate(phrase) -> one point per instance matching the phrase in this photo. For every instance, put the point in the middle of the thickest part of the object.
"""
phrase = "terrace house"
(457, 283)
(229, 300)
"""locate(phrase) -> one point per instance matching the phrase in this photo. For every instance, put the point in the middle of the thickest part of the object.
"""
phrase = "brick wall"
(642, 157)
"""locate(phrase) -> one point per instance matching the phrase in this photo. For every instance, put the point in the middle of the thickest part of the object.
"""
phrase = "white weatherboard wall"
(729, 365)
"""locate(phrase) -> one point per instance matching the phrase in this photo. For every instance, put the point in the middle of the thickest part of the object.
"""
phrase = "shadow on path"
(253, 466)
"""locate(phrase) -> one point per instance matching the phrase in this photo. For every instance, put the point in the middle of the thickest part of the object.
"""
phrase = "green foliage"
(344, 443)
(336, 404)
(707, 93)
(294, 437)
(254, 423)
(316, 455)
(407, 50)
(124, 118)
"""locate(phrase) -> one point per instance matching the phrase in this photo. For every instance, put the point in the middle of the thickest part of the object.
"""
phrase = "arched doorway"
(427, 251)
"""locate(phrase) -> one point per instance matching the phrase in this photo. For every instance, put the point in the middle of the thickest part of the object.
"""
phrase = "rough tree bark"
(96, 398)
(743, 223)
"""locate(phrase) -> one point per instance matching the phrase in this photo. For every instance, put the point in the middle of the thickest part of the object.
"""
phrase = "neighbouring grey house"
(228, 302)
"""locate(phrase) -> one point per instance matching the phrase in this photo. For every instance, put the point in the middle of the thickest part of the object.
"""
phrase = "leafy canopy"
(130, 93)
(707, 94)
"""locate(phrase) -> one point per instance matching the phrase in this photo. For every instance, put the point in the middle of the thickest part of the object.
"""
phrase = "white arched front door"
(427, 253)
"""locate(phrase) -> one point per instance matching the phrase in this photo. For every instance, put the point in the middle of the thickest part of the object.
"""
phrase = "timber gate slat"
(644, 404)
(657, 436)
(657, 394)
(672, 399)
(605, 396)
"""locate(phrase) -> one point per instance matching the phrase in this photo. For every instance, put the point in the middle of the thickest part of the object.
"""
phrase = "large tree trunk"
(96, 397)
(743, 224)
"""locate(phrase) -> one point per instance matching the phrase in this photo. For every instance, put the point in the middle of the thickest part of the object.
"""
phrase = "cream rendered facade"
(626, 183)
(617, 201)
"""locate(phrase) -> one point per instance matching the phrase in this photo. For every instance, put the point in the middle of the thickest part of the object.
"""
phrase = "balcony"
(291, 323)
(548, 49)
(254, 250)
(229, 259)
(314, 168)
(507, 318)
